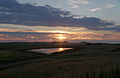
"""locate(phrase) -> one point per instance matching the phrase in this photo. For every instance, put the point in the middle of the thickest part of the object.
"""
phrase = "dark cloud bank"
(12, 12)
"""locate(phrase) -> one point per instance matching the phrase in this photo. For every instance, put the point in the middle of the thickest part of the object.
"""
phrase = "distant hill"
(60, 42)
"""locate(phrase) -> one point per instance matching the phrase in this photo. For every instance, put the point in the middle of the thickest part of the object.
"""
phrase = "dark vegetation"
(86, 60)
(114, 72)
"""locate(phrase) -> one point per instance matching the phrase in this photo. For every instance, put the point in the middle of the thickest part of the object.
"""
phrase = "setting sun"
(61, 49)
(61, 37)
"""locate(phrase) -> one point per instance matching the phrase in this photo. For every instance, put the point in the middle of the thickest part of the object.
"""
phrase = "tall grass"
(114, 72)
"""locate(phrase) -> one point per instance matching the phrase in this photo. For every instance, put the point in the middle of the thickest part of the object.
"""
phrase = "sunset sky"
(60, 20)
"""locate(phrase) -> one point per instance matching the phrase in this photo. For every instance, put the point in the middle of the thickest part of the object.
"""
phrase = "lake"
(49, 50)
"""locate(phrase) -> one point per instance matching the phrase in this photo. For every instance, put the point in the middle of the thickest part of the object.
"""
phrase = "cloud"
(75, 6)
(78, 36)
(79, 1)
(76, 3)
(112, 28)
(95, 9)
(28, 33)
(98, 9)
(27, 37)
(110, 5)
(27, 14)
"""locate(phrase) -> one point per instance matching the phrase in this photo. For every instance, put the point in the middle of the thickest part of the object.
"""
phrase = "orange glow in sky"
(61, 37)
(58, 31)
(61, 49)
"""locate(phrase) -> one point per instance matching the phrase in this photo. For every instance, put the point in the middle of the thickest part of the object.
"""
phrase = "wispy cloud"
(105, 6)
(76, 3)
(110, 5)
(95, 9)
(78, 36)
(75, 6)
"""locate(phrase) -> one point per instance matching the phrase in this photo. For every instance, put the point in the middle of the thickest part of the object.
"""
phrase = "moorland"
(80, 62)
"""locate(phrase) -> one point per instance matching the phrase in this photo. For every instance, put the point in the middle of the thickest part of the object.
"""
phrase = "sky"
(60, 20)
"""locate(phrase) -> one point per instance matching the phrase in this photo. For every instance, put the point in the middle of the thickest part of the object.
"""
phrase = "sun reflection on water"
(49, 50)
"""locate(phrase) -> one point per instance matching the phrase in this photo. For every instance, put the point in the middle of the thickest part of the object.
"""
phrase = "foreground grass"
(69, 64)
(114, 72)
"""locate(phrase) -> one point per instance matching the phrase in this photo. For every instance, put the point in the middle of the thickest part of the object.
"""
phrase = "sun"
(61, 49)
(61, 37)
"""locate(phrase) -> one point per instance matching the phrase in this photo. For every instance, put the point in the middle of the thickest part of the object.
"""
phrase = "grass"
(8, 56)
(116, 50)
(114, 72)
(80, 62)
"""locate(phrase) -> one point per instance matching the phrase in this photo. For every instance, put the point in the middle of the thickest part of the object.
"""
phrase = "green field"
(16, 62)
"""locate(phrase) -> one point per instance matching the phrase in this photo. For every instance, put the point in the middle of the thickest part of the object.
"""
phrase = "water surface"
(49, 50)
